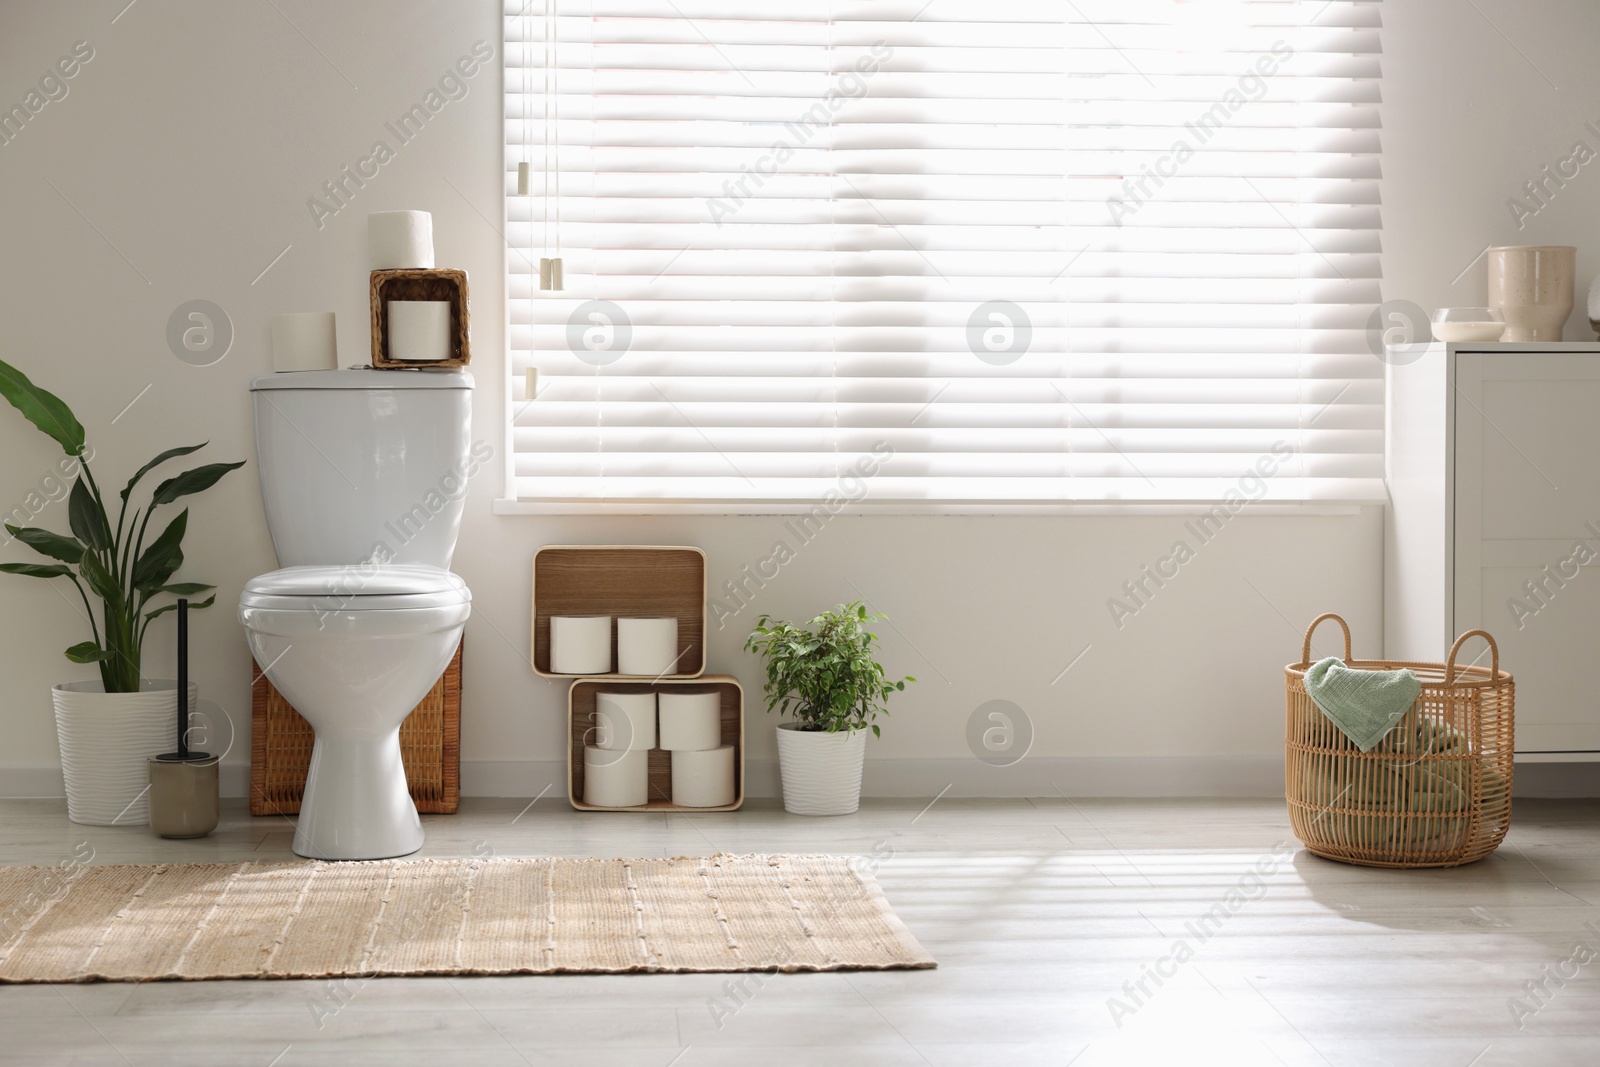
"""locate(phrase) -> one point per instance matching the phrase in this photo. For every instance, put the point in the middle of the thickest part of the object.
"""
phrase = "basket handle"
(1450, 661)
(1305, 648)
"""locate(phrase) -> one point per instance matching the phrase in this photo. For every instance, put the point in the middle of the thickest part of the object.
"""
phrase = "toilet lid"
(365, 378)
(357, 587)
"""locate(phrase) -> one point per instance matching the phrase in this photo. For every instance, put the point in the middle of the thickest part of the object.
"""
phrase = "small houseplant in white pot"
(108, 728)
(826, 676)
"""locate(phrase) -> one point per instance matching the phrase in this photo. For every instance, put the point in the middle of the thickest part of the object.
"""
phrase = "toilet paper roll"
(691, 722)
(580, 644)
(305, 340)
(616, 779)
(703, 779)
(419, 330)
(647, 646)
(398, 239)
(625, 720)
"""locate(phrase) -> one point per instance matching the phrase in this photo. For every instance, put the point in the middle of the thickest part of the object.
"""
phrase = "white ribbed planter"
(106, 739)
(821, 771)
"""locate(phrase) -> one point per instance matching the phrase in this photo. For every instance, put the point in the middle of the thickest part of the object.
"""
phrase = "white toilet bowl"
(354, 649)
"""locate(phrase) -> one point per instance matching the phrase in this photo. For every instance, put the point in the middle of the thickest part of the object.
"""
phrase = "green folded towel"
(1364, 705)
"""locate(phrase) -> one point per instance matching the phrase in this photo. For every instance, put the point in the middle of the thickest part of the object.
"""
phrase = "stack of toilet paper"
(418, 330)
(616, 755)
(702, 766)
(581, 644)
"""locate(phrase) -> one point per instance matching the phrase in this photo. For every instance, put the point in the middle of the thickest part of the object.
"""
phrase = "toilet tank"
(359, 465)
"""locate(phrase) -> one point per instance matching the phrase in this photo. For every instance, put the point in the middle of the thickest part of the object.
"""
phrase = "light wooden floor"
(1038, 912)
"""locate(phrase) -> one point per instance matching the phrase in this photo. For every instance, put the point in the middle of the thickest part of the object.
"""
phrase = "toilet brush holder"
(183, 795)
(183, 784)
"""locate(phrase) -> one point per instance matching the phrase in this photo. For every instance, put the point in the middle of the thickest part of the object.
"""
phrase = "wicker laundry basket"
(1435, 792)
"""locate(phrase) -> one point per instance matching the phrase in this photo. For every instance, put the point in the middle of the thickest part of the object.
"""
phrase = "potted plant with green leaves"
(825, 676)
(108, 728)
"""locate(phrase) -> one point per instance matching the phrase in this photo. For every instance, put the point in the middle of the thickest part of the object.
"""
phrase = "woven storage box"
(1435, 792)
(430, 746)
(421, 284)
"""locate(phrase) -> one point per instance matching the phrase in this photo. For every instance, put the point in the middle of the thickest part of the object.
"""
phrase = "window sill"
(1339, 506)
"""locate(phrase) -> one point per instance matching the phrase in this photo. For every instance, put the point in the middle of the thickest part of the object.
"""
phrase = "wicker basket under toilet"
(430, 747)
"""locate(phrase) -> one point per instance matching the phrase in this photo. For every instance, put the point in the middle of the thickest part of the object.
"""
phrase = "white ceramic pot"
(821, 771)
(106, 742)
(1531, 285)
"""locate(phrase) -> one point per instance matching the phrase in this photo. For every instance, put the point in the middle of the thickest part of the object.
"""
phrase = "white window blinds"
(1020, 252)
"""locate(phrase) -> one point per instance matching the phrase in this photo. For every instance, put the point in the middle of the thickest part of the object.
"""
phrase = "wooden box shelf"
(622, 581)
(434, 283)
(580, 725)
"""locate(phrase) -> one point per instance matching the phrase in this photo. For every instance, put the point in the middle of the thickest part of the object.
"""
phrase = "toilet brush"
(183, 755)
(183, 784)
(183, 679)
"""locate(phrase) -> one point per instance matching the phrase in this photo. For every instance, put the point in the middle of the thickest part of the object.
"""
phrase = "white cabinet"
(1493, 467)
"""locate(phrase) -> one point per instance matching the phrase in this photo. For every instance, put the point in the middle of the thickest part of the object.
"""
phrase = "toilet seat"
(354, 601)
(355, 588)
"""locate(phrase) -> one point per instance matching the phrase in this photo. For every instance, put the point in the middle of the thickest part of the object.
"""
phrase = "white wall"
(1472, 110)
(188, 147)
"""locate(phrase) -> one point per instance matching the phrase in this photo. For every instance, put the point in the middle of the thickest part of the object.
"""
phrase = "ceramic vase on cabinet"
(1532, 287)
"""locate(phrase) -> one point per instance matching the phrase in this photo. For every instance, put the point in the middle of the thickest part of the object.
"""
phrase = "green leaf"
(36, 570)
(156, 614)
(42, 408)
(87, 520)
(206, 603)
(162, 572)
(87, 652)
(54, 545)
(163, 556)
(100, 580)
(171, 453)
(192, 481)
(184, 588)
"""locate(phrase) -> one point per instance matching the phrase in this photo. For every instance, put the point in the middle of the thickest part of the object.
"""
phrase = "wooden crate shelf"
(430, 747)
(580, 721)
(622, 581)
(436, 283)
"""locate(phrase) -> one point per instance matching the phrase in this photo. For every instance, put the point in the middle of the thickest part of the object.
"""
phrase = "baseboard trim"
(233, 780)
(1556, 781)
(1084, 776)
(1110, 776)
(1078, 777)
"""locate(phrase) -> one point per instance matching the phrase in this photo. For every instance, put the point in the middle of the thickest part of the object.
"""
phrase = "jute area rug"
(456, 916)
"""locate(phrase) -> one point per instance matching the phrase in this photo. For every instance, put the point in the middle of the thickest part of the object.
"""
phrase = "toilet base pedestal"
(356, 805)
